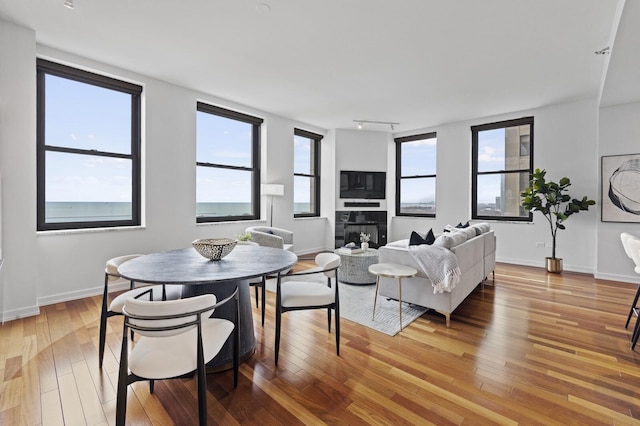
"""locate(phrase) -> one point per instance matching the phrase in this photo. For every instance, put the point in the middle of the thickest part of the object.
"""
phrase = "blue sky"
(73, 121)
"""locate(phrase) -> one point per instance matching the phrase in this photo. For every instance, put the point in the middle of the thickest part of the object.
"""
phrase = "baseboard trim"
(616, 277)
(541, 264)
(14, 314)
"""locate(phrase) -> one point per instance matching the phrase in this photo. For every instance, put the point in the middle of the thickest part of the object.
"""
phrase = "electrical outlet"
(539, 244)
(549, 245)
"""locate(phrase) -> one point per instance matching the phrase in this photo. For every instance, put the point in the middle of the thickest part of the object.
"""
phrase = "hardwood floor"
(531, 349)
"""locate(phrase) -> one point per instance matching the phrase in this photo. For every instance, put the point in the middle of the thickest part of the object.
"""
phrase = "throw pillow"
(430, 238)
(416, 239)
(451, 239)
(460, 225)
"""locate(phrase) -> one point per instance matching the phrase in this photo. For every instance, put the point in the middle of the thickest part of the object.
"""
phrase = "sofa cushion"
(451, 239)
(469, 232)
(416, 239)
(481, 228)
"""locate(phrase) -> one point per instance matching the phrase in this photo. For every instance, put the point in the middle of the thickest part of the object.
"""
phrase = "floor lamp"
(272, 190)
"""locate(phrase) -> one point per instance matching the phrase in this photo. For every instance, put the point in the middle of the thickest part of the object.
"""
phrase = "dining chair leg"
(329, 320)
(236, 354)
(633, 305)
(123, 381)
(103, 323)
(337, 327)
(255, 287)
(278, 319)
(636, 334)
(202, 386)
(264, 296)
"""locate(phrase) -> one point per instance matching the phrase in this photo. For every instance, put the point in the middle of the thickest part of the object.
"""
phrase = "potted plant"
(364, 241)
(245, 236)
(550, 199)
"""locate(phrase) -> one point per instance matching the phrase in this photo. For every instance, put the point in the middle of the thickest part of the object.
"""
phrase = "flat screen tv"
(367, 185)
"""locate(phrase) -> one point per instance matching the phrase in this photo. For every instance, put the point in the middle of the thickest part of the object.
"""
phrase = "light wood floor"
(532, 349)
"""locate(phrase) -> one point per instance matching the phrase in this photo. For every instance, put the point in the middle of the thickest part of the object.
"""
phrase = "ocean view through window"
(88, 149)
(227, 165)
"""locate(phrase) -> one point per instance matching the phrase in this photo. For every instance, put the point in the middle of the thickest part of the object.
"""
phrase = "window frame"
(44, 68)
(315, 153)
(256, 123)
(399, 141)
(474, 165)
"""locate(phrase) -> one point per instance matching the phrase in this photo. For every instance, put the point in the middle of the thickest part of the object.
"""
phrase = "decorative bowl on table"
(214, 248)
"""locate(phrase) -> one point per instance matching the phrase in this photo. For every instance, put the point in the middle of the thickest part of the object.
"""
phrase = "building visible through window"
(502, 165)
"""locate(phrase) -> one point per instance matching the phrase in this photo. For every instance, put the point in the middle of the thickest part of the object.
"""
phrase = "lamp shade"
(274, 189)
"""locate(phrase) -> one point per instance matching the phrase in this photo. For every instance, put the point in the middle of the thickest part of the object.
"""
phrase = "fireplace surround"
(350, 223)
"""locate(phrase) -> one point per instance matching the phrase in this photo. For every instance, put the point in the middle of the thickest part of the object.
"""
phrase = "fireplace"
(349, 225)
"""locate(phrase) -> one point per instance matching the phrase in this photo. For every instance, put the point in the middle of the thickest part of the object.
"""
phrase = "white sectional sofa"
(475, 249)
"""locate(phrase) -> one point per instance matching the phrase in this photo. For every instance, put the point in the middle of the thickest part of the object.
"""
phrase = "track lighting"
(361, 123)
(604, 51)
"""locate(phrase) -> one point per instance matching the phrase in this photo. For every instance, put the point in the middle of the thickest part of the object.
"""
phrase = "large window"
(416, 175)
(306, 173)
(227, 165)
(502, 164)
(88, 148)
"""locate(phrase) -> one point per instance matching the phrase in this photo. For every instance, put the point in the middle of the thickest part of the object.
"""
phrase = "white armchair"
(271, 237)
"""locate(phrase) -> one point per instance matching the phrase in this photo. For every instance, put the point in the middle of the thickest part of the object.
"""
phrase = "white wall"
(619, 134)
(42, 268)
(362, 150)
(46, 267)
(17, 143)
(565, 140)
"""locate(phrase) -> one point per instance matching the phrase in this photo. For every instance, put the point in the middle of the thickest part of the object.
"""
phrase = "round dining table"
(200, 275)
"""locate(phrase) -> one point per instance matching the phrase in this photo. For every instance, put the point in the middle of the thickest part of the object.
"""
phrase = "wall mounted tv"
(368, 185)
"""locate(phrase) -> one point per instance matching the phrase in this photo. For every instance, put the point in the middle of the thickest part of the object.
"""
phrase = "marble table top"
(187, 266)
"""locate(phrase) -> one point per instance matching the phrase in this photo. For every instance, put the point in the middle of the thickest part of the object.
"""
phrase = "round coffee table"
(391, 270)
(354, 268)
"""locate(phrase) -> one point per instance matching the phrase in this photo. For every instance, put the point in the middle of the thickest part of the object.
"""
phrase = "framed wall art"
(621, 188)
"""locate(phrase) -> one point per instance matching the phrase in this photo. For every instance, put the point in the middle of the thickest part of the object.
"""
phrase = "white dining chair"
(176, 338)
(294, 295)
(145, 292)
(631, 245)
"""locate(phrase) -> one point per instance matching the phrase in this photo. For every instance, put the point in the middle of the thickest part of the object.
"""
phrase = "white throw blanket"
(439, 264)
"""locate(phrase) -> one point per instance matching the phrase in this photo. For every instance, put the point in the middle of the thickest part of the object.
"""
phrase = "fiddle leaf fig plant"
(551, 199)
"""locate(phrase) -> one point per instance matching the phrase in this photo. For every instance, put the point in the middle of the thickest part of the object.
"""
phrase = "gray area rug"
(356, 304)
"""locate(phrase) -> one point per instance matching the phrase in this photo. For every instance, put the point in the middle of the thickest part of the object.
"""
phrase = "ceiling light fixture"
(604, 51)
(68, 4)
(392, 124)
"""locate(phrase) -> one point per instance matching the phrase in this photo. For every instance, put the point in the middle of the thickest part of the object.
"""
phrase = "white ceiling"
(327, 63)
